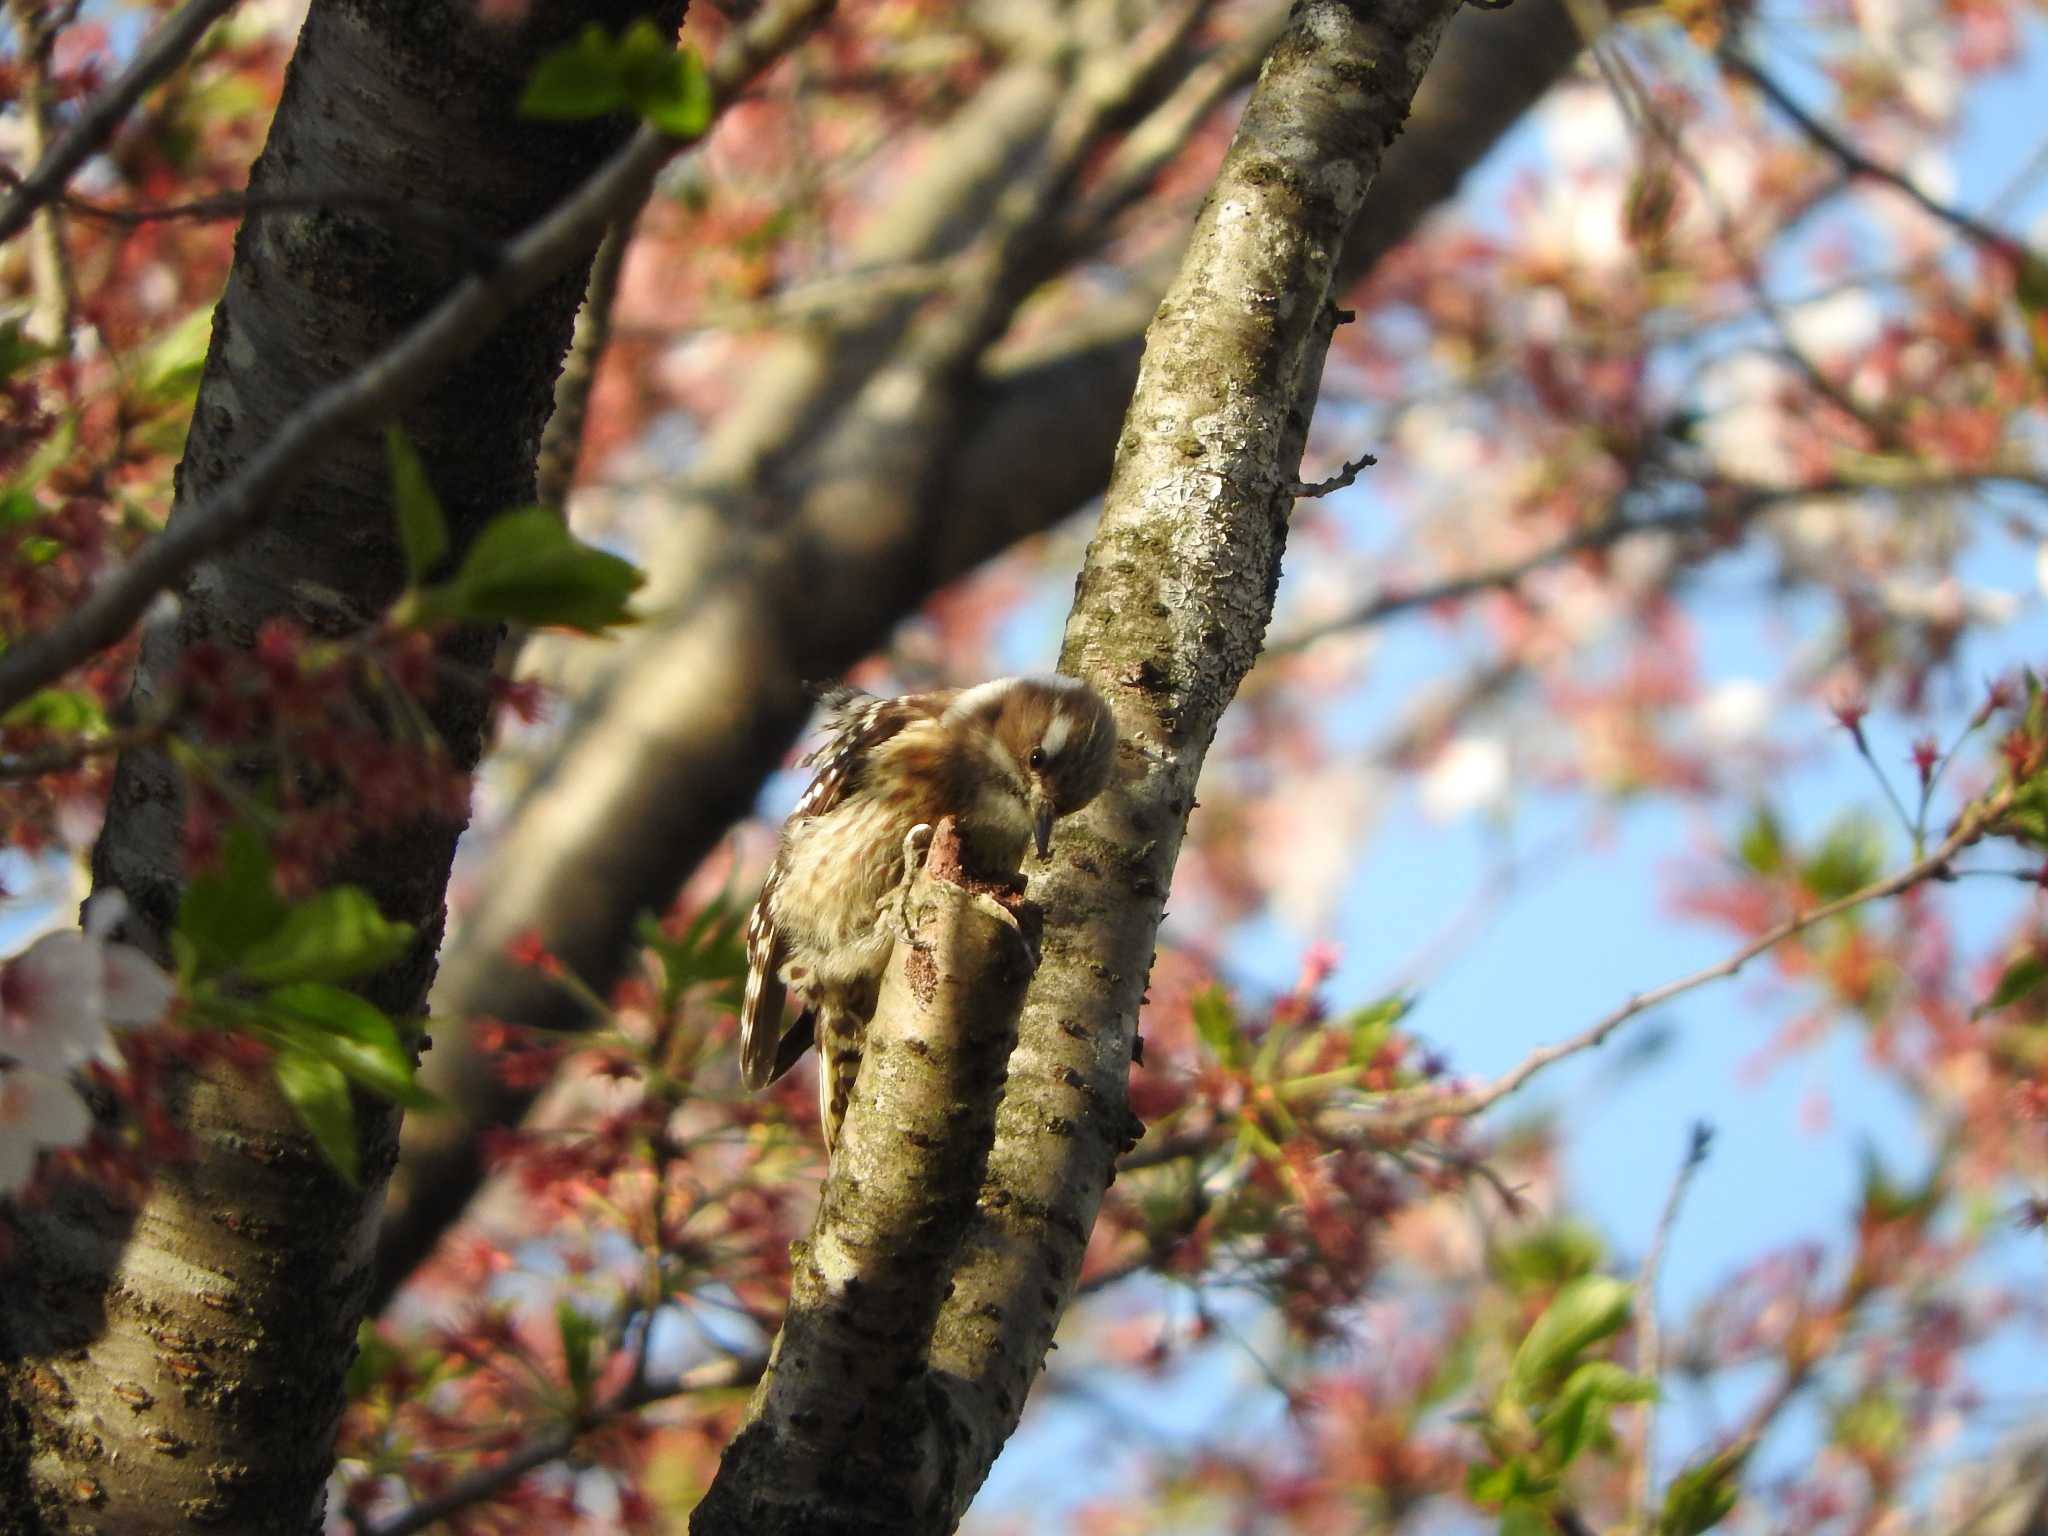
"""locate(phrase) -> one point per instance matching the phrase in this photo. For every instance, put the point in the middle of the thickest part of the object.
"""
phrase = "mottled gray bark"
(1168, 617)
(1171, 607)
(180, 1366)
(654, 771)
(845, 1433)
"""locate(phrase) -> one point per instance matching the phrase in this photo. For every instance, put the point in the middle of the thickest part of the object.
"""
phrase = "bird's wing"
(859, 724)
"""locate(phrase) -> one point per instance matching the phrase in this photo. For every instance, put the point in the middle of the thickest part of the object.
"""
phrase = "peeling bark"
(639, 794)
(181, 1366)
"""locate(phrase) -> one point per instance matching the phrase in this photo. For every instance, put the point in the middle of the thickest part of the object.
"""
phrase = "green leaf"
(643, 70)
(170, 366)
(527, 568)
(374, 1359)
(337, 934)
(1587, 1310)
(1549, 1256)
(585, 79)
(230, 911)
(1525, 1519)
(349, 1033)
(422, 530)
(1373, 1025)
(1886, 1199)
(18, 507)
(1700, 1497)
(1761, 846)
(1216, 1024)
(2032, 291)
(1849, 858)
(1578, 1416)
(18, 350)
(58, 709)
(319, 1096)
(2021, 980)
(709, 952)
(579, 1336)
(674, 94)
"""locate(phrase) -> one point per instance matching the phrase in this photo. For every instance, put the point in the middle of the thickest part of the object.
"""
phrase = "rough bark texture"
(180, 1367)
(846, 1433)
(654, 771)
(1169, 614)
(1169, 611)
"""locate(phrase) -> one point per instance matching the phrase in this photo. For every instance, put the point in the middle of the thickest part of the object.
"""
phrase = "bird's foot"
(896, 905)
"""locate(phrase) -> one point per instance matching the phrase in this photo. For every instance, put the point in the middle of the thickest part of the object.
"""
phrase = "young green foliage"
(251, 961)
(639, 71)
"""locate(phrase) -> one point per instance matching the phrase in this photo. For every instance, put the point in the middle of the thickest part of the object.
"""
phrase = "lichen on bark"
(1169, 612)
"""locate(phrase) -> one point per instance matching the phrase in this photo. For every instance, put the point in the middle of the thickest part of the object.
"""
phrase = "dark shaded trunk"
(181, 1366)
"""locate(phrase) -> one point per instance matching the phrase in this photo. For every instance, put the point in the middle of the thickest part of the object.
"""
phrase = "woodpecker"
(1005, 759)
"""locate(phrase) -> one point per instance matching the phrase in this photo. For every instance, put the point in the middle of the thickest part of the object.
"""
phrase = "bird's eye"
(1037, 758)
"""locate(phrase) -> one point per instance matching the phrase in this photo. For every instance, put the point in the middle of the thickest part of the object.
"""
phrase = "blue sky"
(1585, 930)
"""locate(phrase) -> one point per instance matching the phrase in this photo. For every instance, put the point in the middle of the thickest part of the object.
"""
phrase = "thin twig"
(1419, 1107)
(54, 296)
(163, 52)
(1650, 1353)
(1348, 475)
(1603, 535)
(481, 252)
(561, 442)
(389, 381)
(63, 756)
(559, 1440)
(1856, 163)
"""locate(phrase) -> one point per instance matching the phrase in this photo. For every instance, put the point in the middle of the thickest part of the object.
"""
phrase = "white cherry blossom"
(60, 997)
(36, 1111)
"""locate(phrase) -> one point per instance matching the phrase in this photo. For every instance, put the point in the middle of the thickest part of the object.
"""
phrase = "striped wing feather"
(860, 723)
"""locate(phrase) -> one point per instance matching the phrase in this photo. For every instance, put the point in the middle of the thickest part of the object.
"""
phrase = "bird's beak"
(1041, 825)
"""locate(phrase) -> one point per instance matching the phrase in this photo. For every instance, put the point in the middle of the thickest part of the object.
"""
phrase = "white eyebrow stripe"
(1056, 734)
(976, 698)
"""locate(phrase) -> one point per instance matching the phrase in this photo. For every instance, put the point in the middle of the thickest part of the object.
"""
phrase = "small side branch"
(166, 49)
(1650, 1346)
(387, 382)
(1977, 820)
(1348, 475)
(556, 1442)
(849, 1432)
(1860, 165)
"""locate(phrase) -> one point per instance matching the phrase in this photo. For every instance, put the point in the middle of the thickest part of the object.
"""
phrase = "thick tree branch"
(848, 1432)
(675, 740)
(387, 382)
(1169, 612)
(165, 50)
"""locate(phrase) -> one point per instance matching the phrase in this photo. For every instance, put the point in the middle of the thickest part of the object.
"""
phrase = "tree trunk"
(1169, 614)
(180, 1366)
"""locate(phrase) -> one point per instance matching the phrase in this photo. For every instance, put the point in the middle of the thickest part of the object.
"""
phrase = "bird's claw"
(916, 843)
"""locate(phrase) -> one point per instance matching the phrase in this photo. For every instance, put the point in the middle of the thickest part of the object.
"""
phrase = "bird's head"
(1057, 740)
